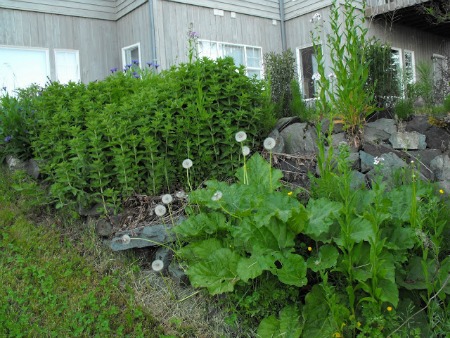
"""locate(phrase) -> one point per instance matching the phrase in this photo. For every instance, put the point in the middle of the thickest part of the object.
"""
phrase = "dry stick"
(422, 309)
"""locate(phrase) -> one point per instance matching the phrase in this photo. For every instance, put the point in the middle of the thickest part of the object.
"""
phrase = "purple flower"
(156, 65)
(194, 35)
(135, 62)
(8, 138)
(128, 66)
(114, 69)
(150, 64)
(136, 75)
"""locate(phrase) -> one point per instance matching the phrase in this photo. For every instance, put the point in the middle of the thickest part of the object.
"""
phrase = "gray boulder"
(299, 139)
(441, 167)
(408, 140)
(151, 235)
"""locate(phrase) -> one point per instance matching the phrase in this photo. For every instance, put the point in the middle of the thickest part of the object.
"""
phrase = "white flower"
(377, 160)
(269, 143)
(245, 150)
(160, 210)
(180, 194)
(167, 198)
(217, 195)
(126, 239)
(240, 136)
(157, 265)
(316, 17)
(316, 77)
(187, 163)
(331, 76)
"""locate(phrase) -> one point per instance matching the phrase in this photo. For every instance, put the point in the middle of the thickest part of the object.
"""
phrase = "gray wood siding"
(133, 28)
(298, 8)
(375, 7)
(97, 9)
(94, 39)
(262, 8)
(173, 19)
(422, 43)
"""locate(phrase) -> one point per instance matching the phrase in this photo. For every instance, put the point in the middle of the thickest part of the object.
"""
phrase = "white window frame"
(300, 70)
(130, 47)
(220, 54)
(77, 58)
(21, 48)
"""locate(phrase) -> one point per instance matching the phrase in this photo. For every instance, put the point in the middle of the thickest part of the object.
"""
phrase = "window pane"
(67, 66)
(236, 52)
(19, 68)
(208, 49)
(130, 54)
(308, 68)
(253, 72)
(253, 57)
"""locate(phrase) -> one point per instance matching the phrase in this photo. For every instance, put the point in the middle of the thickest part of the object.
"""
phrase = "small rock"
(32, 168)
(441, 167)
(177, 274)
(151, 235)
(165, 255)
(386, 125)
(408, 140)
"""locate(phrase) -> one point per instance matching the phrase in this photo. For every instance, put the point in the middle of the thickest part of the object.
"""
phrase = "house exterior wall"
(173, 19)
(423, 44)
(93, 38)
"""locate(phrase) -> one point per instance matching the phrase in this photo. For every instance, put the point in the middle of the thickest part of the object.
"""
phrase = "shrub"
(103, 141)
(404, 108)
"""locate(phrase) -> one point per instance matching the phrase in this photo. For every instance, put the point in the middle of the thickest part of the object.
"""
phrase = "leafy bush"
(103, 141)
(15, 115)
(383, 73)
(404, 108)
(280, 72)
(351, 252)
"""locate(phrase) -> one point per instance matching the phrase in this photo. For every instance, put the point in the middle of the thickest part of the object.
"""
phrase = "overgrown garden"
(329, 260)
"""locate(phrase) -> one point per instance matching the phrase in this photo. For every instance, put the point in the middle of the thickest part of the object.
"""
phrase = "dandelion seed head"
(160, 210)
(240, 136)
(180, 194)
(167, 198)
(126, 239)
(269, 143)
(217, 195)
(157, 265)
(245, 150)
(187, 163)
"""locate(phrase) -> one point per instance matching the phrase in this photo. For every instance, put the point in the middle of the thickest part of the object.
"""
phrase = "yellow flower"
(389, 308)
(309, 248)
(337, 335)
(358, 324)
(441, 191)
(290, 193)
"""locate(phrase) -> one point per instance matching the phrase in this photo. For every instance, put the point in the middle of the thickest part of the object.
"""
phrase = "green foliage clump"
(286, 96)
(15, 116)
(404, 109)
(130, 133)
(384, 75)
(344, 92)
(360, 258)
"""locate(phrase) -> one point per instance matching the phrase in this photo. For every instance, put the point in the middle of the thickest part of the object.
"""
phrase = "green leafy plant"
(346, 87)
(347, 250)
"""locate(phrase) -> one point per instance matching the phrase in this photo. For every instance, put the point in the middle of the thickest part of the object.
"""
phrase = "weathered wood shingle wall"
(95, 39)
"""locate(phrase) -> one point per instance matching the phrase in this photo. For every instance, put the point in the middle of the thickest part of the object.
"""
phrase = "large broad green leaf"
(217, 273)
(252, 267)
(399, 238)
(248, 235)
(202, 224)
(388, 291)
(321, 216)
(318, 321)
(361, 230)
(291, 270)
(200, 250)
(260, 174)
(298, 220)
(288, 326)
(414, 277)
(325, 259)
(401, 203)
(277, 205)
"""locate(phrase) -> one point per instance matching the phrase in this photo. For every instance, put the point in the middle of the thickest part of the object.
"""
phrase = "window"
(248, 56)
(67, 66)
(21, 67)
(308, 67)
(409, 66)
(440, 76)
(130, 54)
